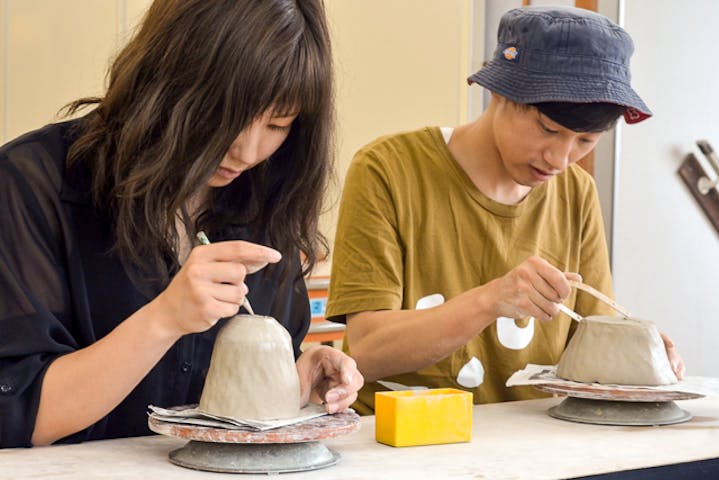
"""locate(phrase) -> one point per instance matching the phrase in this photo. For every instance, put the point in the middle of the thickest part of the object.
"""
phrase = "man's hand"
(534, 288)
(675, 360)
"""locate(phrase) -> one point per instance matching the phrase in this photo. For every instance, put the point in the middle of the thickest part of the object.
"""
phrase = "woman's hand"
(210, 285)
(675, 360)
(328, 376)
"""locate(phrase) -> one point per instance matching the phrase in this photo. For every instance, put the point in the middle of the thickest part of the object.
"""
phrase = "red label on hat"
(632, 115)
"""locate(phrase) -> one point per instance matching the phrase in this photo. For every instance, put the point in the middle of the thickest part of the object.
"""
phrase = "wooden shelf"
(321, 330)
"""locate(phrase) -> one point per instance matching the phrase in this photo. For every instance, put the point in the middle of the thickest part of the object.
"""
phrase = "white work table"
(514, 440)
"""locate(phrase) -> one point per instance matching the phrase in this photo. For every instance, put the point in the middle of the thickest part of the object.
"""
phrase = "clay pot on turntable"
(252, 372)
(616, 350)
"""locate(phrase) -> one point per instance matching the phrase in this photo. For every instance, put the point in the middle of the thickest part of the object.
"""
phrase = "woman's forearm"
(82, 387)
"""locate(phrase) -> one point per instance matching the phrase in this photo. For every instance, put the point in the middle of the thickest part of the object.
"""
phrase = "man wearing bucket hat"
(454, 247)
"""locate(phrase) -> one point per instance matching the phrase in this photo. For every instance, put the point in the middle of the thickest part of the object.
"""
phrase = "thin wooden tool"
(595, 293)
(570, 313)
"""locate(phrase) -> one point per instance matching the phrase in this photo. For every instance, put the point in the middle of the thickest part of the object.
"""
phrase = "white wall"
(52, 52)
(666, 253)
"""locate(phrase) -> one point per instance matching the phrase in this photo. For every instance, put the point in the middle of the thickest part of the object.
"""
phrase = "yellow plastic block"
(423, 417)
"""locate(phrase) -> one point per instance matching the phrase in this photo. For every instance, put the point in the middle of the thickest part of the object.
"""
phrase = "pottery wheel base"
(612, 412)
(254, 458)
(292, 448)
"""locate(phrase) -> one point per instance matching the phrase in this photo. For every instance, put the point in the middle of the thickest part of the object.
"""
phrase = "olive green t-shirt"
(414, 232)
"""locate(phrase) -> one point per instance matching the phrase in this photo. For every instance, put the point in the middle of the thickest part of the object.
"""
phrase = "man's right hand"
(534, 288)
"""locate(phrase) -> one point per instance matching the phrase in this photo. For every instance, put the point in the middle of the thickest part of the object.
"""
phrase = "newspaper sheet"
(191, 415)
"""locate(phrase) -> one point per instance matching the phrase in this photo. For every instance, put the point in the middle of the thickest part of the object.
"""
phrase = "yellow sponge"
(423, 417)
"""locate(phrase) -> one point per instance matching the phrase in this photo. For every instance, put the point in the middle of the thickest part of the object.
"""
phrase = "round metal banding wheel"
(610, 412)
(588, 403)
(254, 457)
(292, 448)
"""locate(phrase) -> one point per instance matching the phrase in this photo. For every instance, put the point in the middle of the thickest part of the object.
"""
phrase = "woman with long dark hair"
(217, 117)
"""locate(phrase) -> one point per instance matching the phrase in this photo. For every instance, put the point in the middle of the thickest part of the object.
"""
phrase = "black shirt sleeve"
(34, 291)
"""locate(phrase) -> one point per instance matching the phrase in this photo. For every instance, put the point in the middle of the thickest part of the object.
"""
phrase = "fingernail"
(333, 396)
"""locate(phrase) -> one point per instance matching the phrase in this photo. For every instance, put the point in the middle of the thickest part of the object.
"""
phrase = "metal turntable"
(588, 403)
(292, 448)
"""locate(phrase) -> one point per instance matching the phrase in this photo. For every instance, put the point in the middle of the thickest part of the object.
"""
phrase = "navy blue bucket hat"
(562, 54)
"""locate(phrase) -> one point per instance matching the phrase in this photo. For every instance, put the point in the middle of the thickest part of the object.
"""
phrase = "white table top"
(513, 440)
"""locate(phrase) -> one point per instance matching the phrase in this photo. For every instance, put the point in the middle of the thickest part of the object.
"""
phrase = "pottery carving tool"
(596, 294)
(206, 241)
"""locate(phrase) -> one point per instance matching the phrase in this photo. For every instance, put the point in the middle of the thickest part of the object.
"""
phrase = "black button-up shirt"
(60, 291)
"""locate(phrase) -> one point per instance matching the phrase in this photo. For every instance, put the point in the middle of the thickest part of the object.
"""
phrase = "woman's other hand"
(328, 376)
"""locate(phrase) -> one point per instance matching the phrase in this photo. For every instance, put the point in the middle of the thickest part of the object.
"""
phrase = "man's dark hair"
(582, 117)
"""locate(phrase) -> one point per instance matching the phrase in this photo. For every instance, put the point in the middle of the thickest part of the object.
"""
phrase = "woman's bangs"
(302, 86)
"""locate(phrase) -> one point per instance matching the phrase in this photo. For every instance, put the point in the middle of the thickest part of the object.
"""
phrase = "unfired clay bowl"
(252, 373)
(616, 350)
